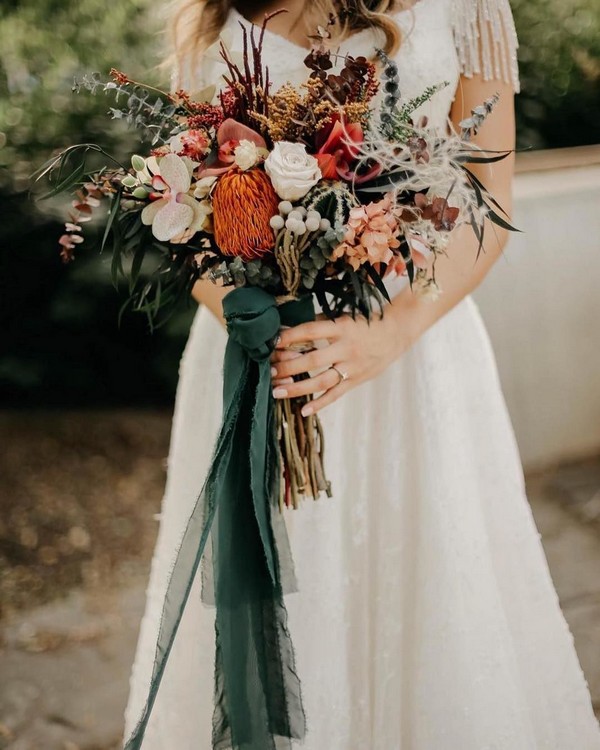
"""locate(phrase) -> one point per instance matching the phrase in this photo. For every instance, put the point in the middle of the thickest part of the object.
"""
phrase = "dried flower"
(439, 212)
(425, 287)
(119, 77)
(247, 154)
(86, 199)
(243, 204)
(194, 144)
(68, 243)
(371, 234)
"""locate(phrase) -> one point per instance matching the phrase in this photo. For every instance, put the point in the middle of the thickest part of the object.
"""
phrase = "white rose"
(293, 172)
(247, 154)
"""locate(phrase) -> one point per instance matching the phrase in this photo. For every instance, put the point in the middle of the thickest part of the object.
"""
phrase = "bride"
(426, 618)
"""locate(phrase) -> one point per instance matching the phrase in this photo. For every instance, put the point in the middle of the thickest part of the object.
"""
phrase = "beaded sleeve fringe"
(486, 40)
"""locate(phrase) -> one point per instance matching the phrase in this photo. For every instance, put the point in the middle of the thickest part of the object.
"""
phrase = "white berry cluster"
(298, 221)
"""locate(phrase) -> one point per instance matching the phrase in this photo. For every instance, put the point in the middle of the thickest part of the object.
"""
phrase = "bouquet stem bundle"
(302, 447)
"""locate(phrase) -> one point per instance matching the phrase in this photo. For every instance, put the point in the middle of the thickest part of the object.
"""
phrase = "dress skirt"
(426, 618)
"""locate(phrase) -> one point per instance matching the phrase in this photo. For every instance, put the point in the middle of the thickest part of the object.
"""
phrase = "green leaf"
(480, 248)
(138, 162)
(67, 183)
(356, 285)
(478, 231)
(377, 280)
(482, 188)
(496, 219)
(115, 207)
(136, 265)
(157, 297)
(116, 265)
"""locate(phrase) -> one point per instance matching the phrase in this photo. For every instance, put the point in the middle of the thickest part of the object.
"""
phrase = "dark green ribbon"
(258, 702)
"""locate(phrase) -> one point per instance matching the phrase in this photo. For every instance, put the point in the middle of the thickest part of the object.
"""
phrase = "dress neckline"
(237, 16)
(279, 37)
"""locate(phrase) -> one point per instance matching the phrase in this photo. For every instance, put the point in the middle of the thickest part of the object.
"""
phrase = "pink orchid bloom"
(229, 135)
(173, 211)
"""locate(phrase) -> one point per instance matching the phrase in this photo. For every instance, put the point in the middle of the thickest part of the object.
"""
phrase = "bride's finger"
(281, 381)
(329, 397)
(325, 380)
(281, 355)
(315, 360)
(308, 332)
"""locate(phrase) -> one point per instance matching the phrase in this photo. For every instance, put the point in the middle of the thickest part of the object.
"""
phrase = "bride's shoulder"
(484, 34)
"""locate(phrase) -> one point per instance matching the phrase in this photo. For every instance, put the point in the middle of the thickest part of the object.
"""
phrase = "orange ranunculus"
(243, 204)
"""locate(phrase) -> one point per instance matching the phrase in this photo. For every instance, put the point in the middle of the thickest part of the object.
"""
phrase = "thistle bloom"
(173, 211)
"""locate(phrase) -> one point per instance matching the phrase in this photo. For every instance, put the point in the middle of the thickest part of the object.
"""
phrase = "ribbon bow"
(258, 702)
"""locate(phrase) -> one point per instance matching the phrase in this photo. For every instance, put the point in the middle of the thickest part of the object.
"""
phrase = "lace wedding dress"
(426, 618)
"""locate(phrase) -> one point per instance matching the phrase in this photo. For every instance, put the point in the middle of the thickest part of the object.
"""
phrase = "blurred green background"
(59, 340)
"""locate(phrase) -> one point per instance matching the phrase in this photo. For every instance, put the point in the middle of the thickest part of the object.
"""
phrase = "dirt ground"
(74, 563)
(59, 528)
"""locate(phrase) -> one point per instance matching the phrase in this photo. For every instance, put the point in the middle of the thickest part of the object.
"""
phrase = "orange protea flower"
(243, 204)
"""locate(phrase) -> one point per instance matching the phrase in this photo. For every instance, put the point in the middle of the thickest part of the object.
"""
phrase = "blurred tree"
(59, 341)
(44, 45)
(559, 59)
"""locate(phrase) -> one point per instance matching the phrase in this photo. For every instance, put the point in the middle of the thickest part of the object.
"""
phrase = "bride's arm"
(209, 294)
(364, 350)
(460, 272)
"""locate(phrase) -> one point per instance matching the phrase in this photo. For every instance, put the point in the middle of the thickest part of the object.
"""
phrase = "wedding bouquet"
(311, 193)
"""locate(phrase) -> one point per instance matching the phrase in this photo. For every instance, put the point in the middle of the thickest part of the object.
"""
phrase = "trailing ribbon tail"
(258, 702)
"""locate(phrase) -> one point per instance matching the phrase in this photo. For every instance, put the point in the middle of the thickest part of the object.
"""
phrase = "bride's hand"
(355, 351)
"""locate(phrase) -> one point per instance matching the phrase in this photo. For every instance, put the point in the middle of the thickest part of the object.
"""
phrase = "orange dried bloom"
(243, 204)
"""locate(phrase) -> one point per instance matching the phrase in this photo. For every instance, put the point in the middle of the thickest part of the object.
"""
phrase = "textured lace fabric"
(426, 618)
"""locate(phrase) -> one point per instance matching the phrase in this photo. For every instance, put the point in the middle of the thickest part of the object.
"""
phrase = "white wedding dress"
(426, 618)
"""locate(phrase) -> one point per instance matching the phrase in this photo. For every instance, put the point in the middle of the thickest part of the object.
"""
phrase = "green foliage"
(559, 59)
(44, 45)
(61, 343)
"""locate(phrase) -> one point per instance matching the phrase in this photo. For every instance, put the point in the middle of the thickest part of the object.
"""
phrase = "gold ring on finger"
(342, 375)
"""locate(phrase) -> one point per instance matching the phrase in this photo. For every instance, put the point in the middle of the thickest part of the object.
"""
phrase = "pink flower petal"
(171, 220)
(230, 130)
(175, 173)
(150, 211)
(158, 183)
